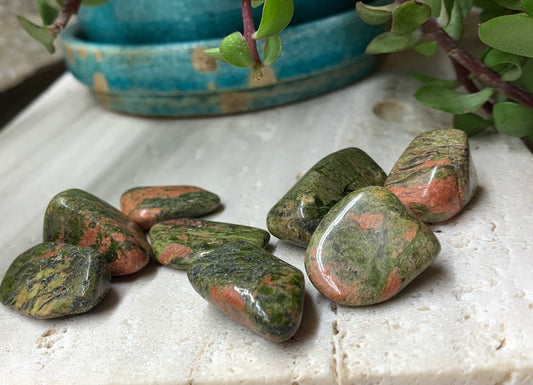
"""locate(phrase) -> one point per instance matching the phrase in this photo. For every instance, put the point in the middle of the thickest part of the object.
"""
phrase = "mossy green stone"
(297, 214)
(258, 290)
(368, 248)
(54, 280)
(435, 176)
(176, 242)
(79, 218)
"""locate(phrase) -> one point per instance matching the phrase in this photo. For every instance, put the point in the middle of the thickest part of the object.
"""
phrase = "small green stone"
(295, 217)
(368, 248)
(177, 241)
(435, 175)
(79, 218)
(253, 287)
(54, 280)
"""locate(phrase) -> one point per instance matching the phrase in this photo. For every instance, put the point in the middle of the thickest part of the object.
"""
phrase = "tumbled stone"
(54, 280)
(149, 205)
(77, 217)
(256, 289)
(175, 242)
(295, 217)
(368, 248)
(435, 176)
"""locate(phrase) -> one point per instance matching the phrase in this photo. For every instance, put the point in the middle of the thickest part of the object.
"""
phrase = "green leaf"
(93, 3)
(510, 4)
(507, 64)
(526, 80)
(234, 50)
(435, 6)
(257, 3)
(43, 35)
(214, 52)
(470, 123)
(444, 99)
(277, 14)
(408, 17)
(490, 10)
(444, 15)
(374, 15)
(427, 49)
(513, 119)
(527, 6)
(388, 42)
(510, 33)
(431, 81)
(271, 50)
(458, 13)
(48, 13)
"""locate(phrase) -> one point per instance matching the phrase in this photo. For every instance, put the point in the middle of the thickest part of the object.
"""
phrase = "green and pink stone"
(53, 280)
(367, 248)
(177, 242)
(253, 287)
(148, 205)
(297, 214)
(79, 218)
(435, 176)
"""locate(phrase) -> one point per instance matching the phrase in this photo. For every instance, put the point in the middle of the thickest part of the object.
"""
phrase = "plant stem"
(491, 78)
(70, 8)
(249, 30)
(462, 75)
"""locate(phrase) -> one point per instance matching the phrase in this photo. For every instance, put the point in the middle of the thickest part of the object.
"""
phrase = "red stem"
(249, 30)
(70, 8)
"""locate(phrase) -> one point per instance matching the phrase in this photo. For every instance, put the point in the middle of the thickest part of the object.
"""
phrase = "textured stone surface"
(435, 176)
(77, 217)
(52, 280)
(368, 248)
(253, 287)
(298, 212)
(149, 205)
(176, 242)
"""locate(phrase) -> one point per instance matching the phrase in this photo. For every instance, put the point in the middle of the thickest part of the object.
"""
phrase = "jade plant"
(494, 90)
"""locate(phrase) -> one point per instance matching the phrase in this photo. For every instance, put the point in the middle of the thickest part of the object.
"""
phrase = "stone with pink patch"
(367, 248)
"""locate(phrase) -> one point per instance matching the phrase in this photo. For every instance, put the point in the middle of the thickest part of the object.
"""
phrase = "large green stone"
(368, 248)
(77, 217)
(149, 205)
(295, 217)
(258, 290)
(176, 242)
(55, 279)
(435, 176)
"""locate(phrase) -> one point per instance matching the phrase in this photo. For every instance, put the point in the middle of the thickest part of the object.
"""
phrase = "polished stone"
(256, 289)
(53, 280)
(368, 248)
(77, 217)
(149, 205)
(176, 242)
(297, 214)
(435, 176)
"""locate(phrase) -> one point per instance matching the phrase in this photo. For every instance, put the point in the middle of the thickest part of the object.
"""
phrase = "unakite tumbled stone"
(55, 279)
(368, 248)
(177, 241)
(295, 217)
(435, 176)
(149, 205)
(256, 289)
(77, 217)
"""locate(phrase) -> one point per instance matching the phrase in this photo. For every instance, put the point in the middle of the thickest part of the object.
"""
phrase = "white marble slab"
(466, 320)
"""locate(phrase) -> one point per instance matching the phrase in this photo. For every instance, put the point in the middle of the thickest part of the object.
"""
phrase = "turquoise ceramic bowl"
(159, 21)
(176, 79)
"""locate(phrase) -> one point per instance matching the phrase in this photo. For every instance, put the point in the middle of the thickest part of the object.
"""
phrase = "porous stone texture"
(253, 287)
(176, 242)
(77, 217)
(435, 176)
(21, 54)
(367, 248)
(148, 205)
(297, 214)
(53, 280)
